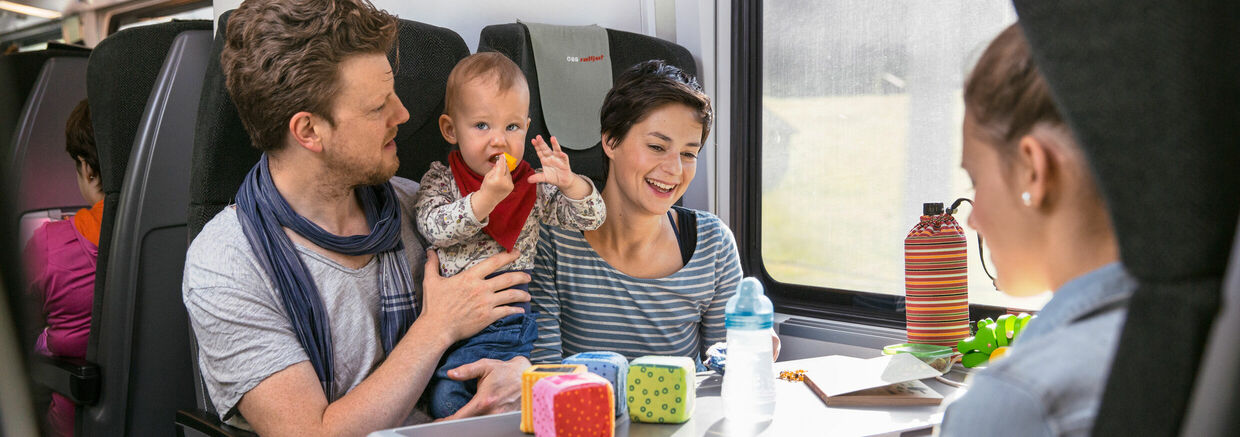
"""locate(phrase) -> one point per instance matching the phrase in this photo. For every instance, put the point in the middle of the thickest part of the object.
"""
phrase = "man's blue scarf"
(264, 213)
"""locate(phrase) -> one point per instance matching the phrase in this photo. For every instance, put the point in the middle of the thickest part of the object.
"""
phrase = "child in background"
(61, 257)
(478, 205)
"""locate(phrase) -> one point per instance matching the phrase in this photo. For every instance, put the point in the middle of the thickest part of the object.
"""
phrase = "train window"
(861, 111)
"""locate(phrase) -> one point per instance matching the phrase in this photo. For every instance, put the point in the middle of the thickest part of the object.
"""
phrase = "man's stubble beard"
(349, 171)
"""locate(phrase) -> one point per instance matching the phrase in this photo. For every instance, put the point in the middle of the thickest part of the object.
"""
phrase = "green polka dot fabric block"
(660, 389)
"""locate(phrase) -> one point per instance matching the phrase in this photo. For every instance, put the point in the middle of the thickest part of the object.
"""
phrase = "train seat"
(1215, 398)
(21, 70)
(1152, 103)
(43, 175)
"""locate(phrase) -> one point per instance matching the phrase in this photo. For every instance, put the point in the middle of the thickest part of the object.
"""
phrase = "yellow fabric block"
(530, 376)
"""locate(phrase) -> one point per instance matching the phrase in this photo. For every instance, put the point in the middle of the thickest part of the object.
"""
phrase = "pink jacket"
(61, 265)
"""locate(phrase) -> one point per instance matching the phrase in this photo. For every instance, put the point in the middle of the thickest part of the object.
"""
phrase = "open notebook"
(889, 380)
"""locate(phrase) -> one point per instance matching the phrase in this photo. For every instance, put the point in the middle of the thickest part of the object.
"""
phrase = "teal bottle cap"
(749, 308)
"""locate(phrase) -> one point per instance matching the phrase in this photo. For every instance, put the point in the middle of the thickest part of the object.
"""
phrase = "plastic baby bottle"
(749, 379)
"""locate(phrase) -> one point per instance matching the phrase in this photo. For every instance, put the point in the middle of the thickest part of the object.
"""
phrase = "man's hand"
(464, 304)
(556, 170)
(499, 386)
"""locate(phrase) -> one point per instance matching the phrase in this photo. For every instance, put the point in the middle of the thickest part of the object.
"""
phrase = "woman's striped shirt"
(585, 304)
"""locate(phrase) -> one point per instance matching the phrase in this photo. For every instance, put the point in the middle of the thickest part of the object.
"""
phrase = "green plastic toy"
(990, 336)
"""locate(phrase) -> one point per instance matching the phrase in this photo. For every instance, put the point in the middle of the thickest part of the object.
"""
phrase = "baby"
(488, 200)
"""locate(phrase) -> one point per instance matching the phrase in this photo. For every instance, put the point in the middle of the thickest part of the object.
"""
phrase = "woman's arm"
(727, 275)
(441, 219)
(546, 302)
(990, 397)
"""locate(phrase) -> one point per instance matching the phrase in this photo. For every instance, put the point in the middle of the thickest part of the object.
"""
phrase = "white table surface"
(797, 412)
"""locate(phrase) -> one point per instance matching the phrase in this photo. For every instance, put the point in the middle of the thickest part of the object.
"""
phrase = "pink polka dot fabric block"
(532, 375)
(574, 405)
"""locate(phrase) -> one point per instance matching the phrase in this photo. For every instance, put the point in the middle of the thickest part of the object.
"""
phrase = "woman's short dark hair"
(80, 137)
(646, 87)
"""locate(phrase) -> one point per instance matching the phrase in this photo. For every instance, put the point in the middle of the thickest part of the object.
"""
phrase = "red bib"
(507, 219)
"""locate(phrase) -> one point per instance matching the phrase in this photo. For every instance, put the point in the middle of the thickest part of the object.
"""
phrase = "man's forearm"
(387, 396)
(290, 403)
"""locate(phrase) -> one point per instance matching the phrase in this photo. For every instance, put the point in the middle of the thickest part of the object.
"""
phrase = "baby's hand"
(496, 185)
(556, 170)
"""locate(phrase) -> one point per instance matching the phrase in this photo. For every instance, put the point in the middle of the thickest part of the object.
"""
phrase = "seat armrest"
(201, 423)
(73, 378)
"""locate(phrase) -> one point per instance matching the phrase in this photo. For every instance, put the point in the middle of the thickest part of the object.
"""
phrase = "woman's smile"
(661, 189)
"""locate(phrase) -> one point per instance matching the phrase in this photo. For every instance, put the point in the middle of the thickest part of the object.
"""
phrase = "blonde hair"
(486, 65)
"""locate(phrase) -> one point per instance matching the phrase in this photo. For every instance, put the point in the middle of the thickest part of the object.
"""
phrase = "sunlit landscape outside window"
(861, 125)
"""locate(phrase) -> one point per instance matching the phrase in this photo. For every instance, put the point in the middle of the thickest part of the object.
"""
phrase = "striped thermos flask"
(936, 279)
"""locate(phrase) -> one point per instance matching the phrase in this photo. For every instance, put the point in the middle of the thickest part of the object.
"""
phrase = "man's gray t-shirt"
(243, 332)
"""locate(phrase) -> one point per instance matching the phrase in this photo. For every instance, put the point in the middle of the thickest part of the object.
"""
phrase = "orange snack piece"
(512, 162)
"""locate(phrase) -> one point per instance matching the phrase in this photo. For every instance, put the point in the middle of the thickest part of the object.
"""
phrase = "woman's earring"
(1025, 197)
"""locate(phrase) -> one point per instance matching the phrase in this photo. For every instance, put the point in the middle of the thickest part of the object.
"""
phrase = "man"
(302, 294)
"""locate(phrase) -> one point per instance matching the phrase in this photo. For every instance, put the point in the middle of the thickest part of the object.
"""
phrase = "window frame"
(745, 189)
(124, 16)
(42, 32)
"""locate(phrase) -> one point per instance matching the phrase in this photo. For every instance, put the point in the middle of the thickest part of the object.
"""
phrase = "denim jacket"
(1051, 382)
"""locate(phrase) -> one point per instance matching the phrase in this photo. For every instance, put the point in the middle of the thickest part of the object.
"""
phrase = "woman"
(1041, 214)
(654, 278)
(61, 259)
